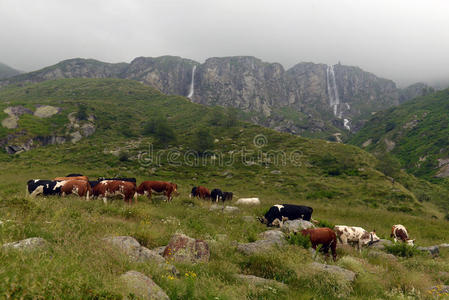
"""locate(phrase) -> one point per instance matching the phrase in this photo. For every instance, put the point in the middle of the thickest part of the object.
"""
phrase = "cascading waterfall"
(334, 99)
(192, 87)
(346, 124)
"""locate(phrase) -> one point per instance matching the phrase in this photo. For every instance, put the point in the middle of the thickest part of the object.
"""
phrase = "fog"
(404, 40)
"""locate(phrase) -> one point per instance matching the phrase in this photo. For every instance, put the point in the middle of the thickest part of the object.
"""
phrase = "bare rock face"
(186, 249)
(268, 240)
(142, 287)
(29, 244)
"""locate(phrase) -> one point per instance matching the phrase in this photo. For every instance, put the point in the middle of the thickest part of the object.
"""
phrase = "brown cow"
(399, 232)
(322, 236)
(79, 187)
(200, 192)
(168, 188)
(85, 178)
(110, 188)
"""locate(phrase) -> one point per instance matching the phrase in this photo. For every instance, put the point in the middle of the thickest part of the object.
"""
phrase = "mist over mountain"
(6, 71)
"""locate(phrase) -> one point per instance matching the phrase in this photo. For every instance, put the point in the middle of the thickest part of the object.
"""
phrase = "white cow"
(248, 201)
(399, 232)
(355, 235)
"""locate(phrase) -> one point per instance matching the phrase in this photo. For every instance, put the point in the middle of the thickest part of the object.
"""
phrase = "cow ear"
(374, 230)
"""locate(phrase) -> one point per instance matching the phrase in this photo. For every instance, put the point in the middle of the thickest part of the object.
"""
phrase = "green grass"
(78, 265)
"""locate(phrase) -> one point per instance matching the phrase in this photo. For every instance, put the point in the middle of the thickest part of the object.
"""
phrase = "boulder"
(29, 244)
(141, 286)
(268, 240)
(46, 111)
(135, 252)
(380, 245)
(254, 280)
(381, 254)
(433, 250)
(295, 226)
(76, 137)
(182, 248)
(87, 129)
(336, 270)
(159, 250)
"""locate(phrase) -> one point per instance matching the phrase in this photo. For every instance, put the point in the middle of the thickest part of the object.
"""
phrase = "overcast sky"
(404, 40)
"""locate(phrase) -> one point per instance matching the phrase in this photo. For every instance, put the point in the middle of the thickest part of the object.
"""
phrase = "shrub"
(402, 249)
(123, 156)
(299, 240)
(323, 223)
(159, 128)
(202, 141)
(82, 112)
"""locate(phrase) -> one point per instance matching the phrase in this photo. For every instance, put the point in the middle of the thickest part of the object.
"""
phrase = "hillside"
(6, 71)
(415, 133)
(308, 99)
(341, 182)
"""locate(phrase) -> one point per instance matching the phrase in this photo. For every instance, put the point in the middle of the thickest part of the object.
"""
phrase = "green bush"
(402, 249)
(123, 156)
(203, 141)
(160, 129)
(323, 223)
(299, 240)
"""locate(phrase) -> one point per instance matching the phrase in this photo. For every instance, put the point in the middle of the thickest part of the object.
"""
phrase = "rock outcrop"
(182, 248)
(295, 226)
(142, 287)
(267, 241)
(336, 270)
(29, 244)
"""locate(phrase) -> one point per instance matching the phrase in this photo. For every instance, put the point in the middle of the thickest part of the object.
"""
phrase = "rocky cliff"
(308, 99)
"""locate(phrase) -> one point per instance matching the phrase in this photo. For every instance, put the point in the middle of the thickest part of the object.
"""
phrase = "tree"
(203, 141)
(160, 129)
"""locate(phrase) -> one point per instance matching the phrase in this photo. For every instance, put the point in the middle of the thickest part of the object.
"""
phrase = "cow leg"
(87, 195)
(105, 200)
(334, 249)
(39, 190)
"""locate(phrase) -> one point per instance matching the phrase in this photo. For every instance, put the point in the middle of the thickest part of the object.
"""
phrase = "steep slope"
(308, 99)
(6, 71)
(416, 133)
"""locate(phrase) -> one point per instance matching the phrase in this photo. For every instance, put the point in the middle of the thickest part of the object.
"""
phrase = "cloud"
(406, 40)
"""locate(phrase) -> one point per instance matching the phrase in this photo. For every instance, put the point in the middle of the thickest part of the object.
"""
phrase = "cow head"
(263, 220)
(373, 238)
(277, 223)
(410, 242)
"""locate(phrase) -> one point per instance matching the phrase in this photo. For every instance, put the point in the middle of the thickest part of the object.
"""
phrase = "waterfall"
(190, 95)
(334, 100)
(346, 124)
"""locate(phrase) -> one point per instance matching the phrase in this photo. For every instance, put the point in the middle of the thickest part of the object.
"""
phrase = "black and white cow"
(93, 183)
(216, 195)
(44, 187)
(282, 212)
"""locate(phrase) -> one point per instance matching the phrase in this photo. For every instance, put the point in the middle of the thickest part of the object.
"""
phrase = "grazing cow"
(248, 201)
(216, 195)
(85, 178)
(399, 232)
(110, 188)
(132, 179)
(74, 175)
(168, 188)
(79, 187)
(322, 236)
(93, 183)
(355, 235)
(37, 187)
(227, 196)
(200, 192)
(282, 212)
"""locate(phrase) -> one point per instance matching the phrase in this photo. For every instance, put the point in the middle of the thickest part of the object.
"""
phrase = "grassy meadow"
(344, 184)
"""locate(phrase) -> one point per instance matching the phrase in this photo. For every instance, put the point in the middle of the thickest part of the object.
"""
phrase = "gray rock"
(380, 245)
(276, 172)
(336, 270)
(433, 250)
(183, 248)
(142, 286)
(159, 250)
(29, 244)
(443, 245)
(87, 129)
(254, 280)
(231, 209)
(76, 137)
(296, 226)
(268, 240)
(46, 111)
(381, 254)
(135, 252)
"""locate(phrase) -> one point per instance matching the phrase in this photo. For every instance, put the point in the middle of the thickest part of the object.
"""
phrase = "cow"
(200, 192)
(399, 232)
(74, 175)
(248, 201)
(168, 188)
(216, 195)
(79, 187)
(282, 212)
(85, 178)
(355, 235)
(227, 196)
(37, 187)
(110, 188)
(325, 237)
(93, 183)
(132, 179)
